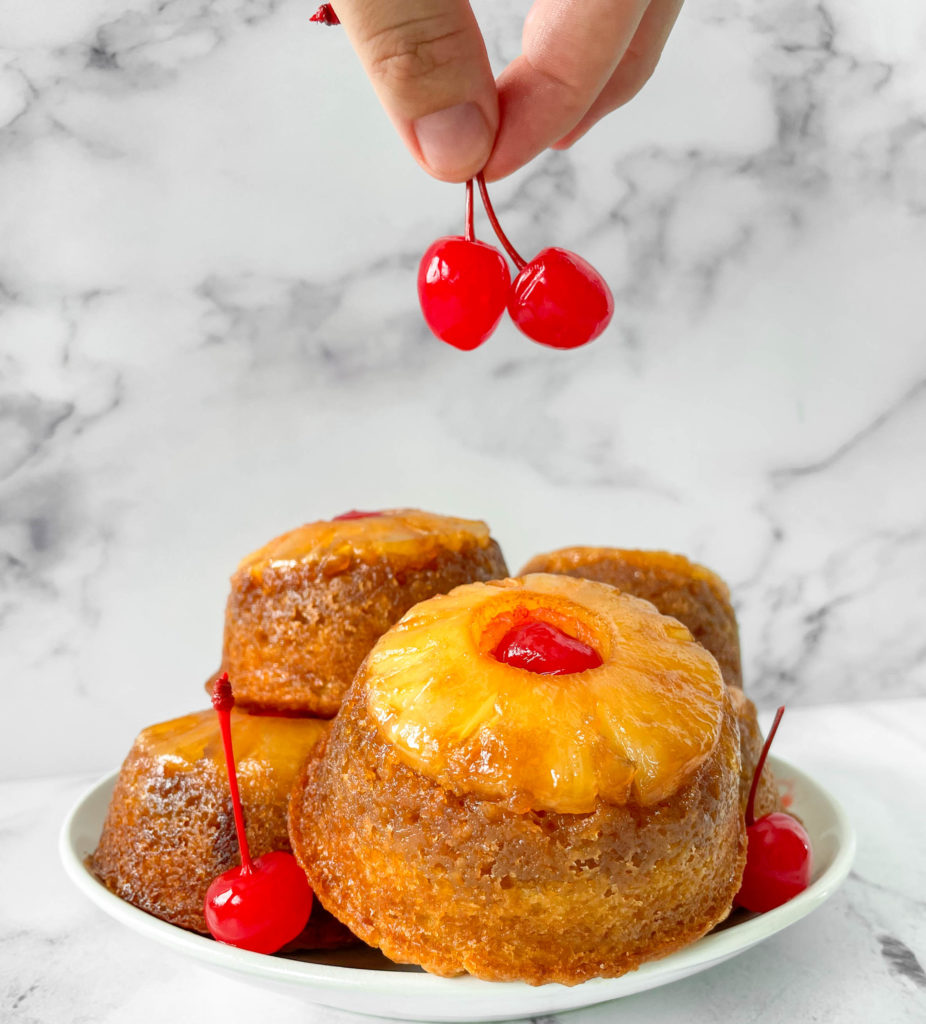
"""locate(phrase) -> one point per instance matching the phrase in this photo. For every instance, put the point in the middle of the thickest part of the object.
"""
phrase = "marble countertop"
(858, 958)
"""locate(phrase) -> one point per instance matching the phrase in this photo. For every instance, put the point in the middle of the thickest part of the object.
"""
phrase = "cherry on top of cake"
(546, 649)
(632, 730)
(405, 535)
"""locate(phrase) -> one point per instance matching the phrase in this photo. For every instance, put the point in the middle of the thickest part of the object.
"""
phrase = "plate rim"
(315, 980)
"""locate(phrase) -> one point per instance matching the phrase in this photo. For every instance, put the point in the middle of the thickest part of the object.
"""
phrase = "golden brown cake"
(170, 831)
(306, 608)
(694, 595)
(465, 814)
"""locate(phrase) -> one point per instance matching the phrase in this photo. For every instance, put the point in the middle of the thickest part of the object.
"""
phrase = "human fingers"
(428, 64)
(636, 66)
(570, 50)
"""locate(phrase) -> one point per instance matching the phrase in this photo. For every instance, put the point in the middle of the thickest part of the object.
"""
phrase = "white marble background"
(209, 334)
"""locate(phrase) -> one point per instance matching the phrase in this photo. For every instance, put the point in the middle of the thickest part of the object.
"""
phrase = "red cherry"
(266, 902)
(545, 649)
(560, 300)
(463, 286)
(260, 909)
(778, 854)
(355, 514)
(778, 862)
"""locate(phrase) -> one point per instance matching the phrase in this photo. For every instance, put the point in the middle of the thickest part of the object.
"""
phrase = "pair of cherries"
(464, 287)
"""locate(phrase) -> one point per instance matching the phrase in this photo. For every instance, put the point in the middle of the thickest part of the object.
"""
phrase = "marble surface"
(858, 958)
(209, 334)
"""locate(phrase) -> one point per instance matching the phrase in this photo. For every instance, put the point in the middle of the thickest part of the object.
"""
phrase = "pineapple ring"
(633, 730)
(395, 533)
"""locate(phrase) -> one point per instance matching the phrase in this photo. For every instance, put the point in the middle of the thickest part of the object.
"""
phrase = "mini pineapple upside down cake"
(304, 610)
(530, 779)
(169, 830)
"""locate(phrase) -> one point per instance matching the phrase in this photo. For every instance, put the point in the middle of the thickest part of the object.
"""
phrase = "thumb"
(428, 64)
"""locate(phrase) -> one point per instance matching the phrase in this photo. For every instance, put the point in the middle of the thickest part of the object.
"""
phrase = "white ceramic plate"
(364, 981)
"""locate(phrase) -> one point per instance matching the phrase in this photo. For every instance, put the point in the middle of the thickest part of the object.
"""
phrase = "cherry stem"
(470, 226)
(223, 701)
(516, 257)
(753, 789)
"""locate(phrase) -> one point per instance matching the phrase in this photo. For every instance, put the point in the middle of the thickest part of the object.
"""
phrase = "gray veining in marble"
(209, 334)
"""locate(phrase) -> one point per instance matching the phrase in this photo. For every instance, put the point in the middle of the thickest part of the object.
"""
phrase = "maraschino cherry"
(463, 286)
(266, 902)
(558, 299)
(778, 856)
(545, 649)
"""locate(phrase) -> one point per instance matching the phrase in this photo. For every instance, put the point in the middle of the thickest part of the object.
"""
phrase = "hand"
(428, 63)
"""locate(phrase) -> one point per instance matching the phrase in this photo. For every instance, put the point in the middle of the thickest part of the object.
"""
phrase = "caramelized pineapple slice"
(260, 741)
(633, 730)
(396, 533)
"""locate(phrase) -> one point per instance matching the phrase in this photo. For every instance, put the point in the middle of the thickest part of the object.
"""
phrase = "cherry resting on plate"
(778, 857)
(463, 286)
(545, 649)
(558, 299)
(266, 902)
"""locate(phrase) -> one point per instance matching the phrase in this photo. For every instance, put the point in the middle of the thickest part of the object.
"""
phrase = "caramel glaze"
(685, 590)
(170, 831)
(634, 728)
(695, 596)
(306, 608)
(459, 883)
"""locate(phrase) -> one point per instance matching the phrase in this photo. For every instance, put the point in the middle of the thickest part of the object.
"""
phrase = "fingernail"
(453, 141)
